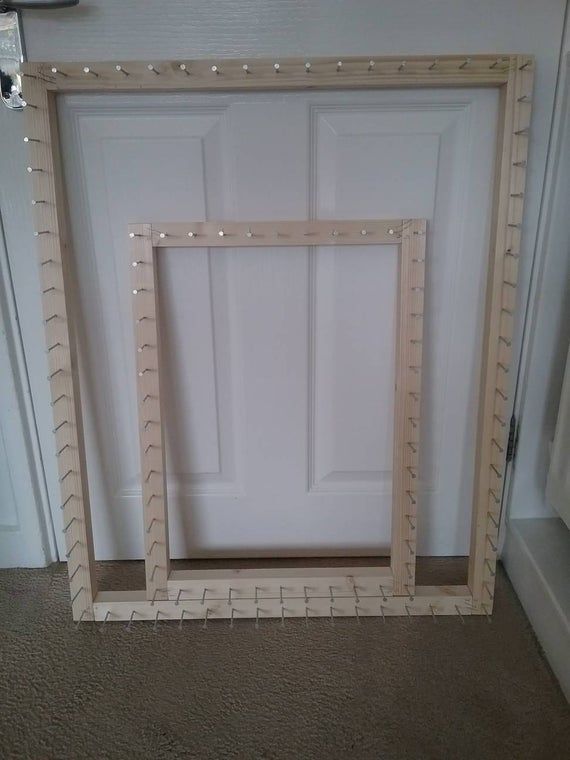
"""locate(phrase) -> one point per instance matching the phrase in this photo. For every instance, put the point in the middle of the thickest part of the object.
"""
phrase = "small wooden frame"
(512, 74)
(410, 236)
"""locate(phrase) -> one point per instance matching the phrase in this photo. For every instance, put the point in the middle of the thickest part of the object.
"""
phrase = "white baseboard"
(536, 556)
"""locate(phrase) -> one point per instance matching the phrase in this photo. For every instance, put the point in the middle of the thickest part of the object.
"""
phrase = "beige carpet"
(403, 689)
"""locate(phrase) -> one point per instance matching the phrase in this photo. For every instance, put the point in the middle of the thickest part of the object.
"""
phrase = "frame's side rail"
(57, 284)
(407, 404)
(493, 424)
(269, 74)
(153, 461)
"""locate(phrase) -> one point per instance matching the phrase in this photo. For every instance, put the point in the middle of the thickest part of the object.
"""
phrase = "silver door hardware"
(12, 51)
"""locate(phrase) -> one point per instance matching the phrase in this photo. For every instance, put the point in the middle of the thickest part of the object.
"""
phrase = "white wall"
(548, 334)
(122, 29)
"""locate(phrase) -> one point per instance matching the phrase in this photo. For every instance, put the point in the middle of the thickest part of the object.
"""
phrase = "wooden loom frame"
(513, 75)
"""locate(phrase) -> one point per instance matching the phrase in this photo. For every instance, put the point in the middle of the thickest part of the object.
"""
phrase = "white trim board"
(537, 560)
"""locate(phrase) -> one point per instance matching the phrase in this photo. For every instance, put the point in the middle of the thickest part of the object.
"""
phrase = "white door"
(279, 363)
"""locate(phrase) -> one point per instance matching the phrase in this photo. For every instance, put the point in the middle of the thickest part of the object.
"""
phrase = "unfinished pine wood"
(147, 238)
(493, 425)
(151, 432)
(57, 283)
(405, 472)
(511, 73)
(226, 234)
(268, 74)
(334, 597)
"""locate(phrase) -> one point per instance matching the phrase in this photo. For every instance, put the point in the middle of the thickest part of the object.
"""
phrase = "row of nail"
(250, 234)
(307, 67)
(384, 611)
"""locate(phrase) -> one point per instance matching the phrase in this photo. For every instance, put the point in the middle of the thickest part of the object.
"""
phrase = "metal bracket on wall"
(12, 49)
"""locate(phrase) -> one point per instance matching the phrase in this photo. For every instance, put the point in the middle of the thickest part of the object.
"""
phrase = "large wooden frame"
(513, 75)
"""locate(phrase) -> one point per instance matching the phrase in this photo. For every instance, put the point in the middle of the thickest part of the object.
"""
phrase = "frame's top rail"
(269, 234)
(269, 74)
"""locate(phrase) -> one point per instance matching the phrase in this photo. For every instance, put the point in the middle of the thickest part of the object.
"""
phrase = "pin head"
(86, 70)
(182, 66)
(190, 234)
(221, 233)
(215, 69)
(276, 66)
(162, 235)
(53, 70)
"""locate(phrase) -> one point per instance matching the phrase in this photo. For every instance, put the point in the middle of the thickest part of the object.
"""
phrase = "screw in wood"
(128, 626)
(70, 552)
(70, 523)
(74, 597)
(497, 472)
(64, 477)
(121, 70)
(107, 616)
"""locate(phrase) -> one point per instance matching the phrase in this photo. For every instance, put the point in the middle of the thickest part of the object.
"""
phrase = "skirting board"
(546, 599)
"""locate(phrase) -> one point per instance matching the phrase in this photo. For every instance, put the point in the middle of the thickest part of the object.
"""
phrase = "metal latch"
(12, 45)
(513, 439)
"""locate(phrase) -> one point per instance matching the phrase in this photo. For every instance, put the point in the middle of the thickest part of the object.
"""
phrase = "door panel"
(279, 363)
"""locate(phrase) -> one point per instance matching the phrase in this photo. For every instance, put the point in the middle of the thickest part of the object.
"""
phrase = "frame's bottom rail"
(427, 600)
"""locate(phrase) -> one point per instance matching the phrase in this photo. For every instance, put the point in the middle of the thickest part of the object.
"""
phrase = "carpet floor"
(404, 689)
